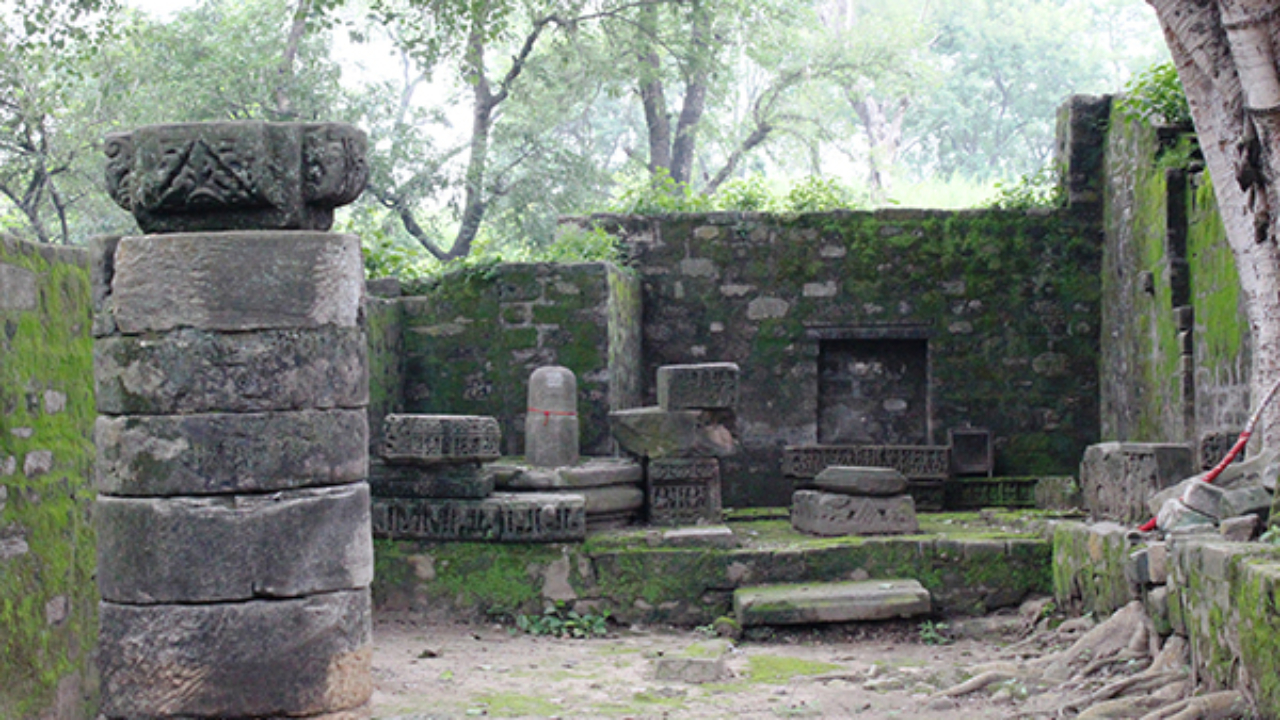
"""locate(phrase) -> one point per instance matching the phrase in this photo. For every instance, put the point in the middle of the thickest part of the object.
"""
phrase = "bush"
(1155, 95)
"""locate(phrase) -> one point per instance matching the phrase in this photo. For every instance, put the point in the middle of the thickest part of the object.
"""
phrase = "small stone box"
(707, 386)
(434, 439)
(684, 491)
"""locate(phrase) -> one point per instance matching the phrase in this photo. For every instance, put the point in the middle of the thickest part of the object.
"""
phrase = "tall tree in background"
(1226, 55)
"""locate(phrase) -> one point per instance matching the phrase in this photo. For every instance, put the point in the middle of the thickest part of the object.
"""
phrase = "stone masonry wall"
(472, 340)
(48, 603)
(1175, 339)
(1007, 304)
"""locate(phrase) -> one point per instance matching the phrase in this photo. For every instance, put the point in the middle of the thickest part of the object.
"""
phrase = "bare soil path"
(435, 670)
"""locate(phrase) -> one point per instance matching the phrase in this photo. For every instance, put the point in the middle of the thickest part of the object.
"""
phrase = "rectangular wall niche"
(873, 392)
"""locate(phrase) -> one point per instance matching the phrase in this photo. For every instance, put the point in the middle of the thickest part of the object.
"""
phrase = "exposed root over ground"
(1120, 668)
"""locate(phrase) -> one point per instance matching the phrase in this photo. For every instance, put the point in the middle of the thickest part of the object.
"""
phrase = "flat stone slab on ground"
(699, 663)
(502, 517)
(228, 453)
(852, 480)
(228, 548)
(432, 439)
(264, 658)
(717, 536)
(830, 602)
(705, 386)
(823, 513)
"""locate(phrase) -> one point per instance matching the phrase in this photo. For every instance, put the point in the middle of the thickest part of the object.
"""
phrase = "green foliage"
(932, 633)
(559, 621)
(818, 194)
(1041, 189)
(1156, 96)
(639, 193)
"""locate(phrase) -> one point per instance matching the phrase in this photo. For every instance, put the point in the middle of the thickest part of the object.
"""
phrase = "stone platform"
(969, 564)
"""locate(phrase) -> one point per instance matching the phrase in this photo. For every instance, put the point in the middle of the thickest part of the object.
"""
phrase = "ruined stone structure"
(234, 550)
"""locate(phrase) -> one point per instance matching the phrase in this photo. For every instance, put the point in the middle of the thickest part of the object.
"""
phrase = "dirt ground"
(425, 670)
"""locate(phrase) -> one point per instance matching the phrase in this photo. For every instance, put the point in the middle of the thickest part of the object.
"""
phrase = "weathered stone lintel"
(236, 281)
(502, 517)
(192, 371)
(460, 480)
(916, 462)
(831, 602)
(229, 548)
(228, 453)
(261, 658)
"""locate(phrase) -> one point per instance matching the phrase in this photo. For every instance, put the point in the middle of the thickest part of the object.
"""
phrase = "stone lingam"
(234, 545)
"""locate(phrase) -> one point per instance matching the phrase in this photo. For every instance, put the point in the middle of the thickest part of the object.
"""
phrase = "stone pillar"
(234, 546)
(551, 425)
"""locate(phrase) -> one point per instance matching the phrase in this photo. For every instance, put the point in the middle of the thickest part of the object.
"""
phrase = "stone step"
(830, 602)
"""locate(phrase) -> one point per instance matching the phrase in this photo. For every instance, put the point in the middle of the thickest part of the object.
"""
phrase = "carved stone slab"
(589, 472)
(707, 386)
(208, 454)
(684, 491)
(218, 549)
(502, 517)
(192, 371)
(236, 175)
(236, 281)
(846, 480)
(820, 513)
(917, 462)
(460, 480)
(264, 658)
(434, 439)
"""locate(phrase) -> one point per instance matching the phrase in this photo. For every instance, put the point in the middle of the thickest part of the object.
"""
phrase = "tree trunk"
(1224, 51)
(284, 74)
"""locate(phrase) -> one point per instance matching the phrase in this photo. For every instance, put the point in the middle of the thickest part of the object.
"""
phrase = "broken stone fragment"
(1175, 515)
(656, 433)
(830, 602)
(706, 386)
(829, 514)
(1240, 528)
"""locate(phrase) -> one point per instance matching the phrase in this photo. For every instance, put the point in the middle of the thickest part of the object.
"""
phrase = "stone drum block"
(830, 602)
(551, 423)
(193, 371)
(828, 514)
(684, 491)
(432, 439)
(1117, 478)
(218, 549)
(707, 386)
(846, 480)
(265, 658)
(460, 480)
(161, 455)
(236, 281)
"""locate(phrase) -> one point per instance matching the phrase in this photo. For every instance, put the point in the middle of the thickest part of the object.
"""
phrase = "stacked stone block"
(682, 440)
(435, 486)
(235, 552)
(855, 501)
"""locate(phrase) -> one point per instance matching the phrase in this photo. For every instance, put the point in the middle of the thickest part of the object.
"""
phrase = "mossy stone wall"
(48, 601)
(384, 321)
(1175, 338)
(472, 339)
(1007, 301)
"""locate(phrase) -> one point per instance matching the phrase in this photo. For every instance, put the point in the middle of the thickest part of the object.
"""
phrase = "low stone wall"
(1224, 597)
(642, 576)
(48, 602)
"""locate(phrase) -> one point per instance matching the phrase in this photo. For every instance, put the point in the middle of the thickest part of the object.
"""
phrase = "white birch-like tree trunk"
(1226, 54)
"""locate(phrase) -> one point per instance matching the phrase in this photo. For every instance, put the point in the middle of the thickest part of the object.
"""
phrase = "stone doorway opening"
(873, 392)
